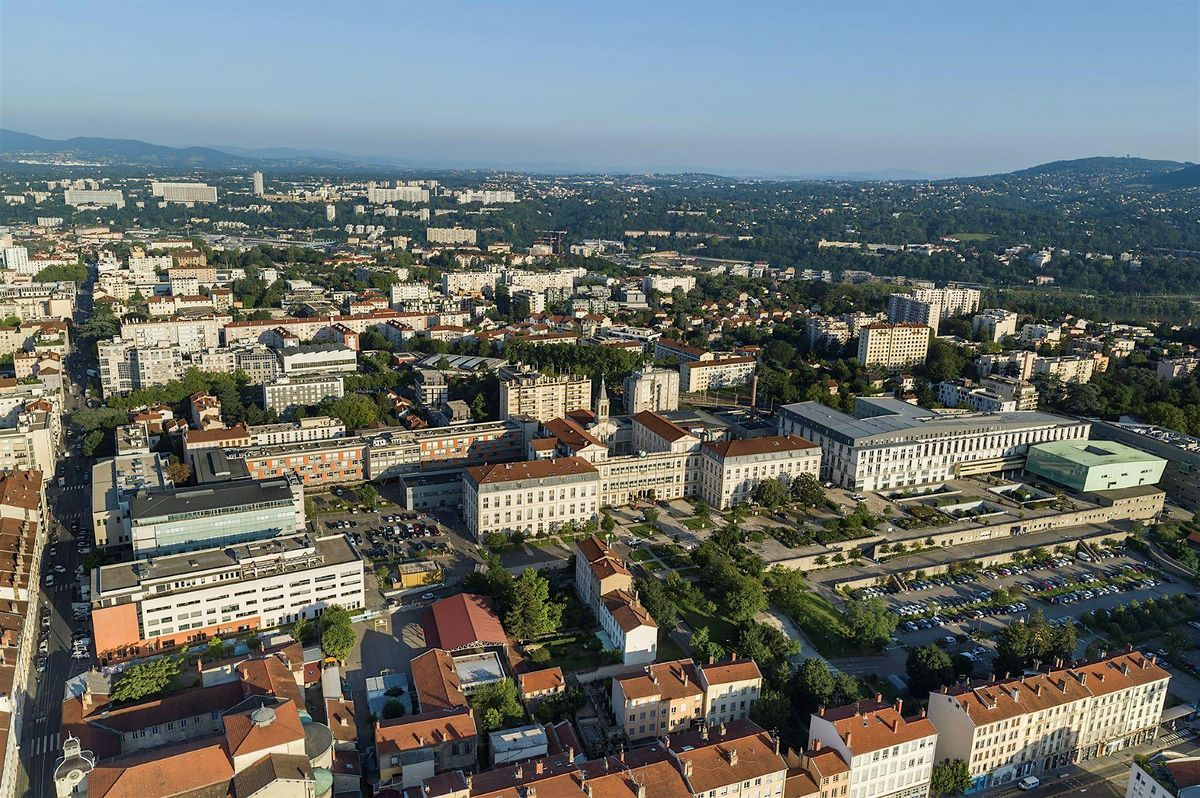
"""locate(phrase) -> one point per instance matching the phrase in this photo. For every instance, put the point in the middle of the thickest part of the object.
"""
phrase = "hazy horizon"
(739, 89)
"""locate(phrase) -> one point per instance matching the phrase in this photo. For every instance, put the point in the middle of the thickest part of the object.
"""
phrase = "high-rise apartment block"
(524, 391)
(995, 324)
(451, 235)
(125, 366)
(186, 193)
(893, 346)
(653, 389)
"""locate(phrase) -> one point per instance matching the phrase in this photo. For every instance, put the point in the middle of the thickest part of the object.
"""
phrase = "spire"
(602, 402)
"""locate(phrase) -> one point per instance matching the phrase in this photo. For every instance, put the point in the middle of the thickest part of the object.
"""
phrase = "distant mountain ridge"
(1109, 171)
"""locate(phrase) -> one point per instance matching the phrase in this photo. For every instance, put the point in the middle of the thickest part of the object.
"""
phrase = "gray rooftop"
(208, 498)
(886, 417)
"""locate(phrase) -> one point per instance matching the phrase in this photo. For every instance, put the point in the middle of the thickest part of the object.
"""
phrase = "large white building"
(88, 198)
(16, 259)
(605, 585)
(705, 375)
(186, 193)
(651, 388)
(1011, 728)
(125, 366)
(380, 196)
(889, 443)
(532, 498)
(451, 235)
(731, 470)
(288, 393)
(890, 756)
(995, 324)
(149, 606)
(191, 334)
(893, 346)
(318, 359)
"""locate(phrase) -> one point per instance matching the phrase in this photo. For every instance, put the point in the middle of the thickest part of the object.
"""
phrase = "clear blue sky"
(952, 87)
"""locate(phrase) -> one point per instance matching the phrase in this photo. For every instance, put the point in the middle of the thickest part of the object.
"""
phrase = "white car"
(1029, 783)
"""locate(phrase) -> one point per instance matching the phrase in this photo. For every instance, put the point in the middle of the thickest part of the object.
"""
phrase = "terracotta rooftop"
(176, 770)
(736, 752)
(464, 620)
(436, 682)
(871, 725)
(499, 473)
(545, 679)
(742, 670)
(420, 731)
(272, 768)
(768, 444)
(662, 427)
(668, 680)
(626, 611)
(259, 728)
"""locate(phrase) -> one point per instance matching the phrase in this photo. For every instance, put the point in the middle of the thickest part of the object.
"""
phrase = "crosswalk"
(43, 745)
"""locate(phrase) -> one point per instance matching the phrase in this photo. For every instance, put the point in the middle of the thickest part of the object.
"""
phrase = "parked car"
(1029, 783)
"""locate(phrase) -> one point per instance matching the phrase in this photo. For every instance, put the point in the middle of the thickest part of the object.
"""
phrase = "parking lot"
(949, 608)
(388, 534)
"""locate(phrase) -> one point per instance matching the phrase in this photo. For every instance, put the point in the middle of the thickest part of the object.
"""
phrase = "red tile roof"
(465, 620)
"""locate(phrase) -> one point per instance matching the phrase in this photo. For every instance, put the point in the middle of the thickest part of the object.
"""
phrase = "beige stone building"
(532, 497)
(527, 392)
(893, 346)
(670, 696)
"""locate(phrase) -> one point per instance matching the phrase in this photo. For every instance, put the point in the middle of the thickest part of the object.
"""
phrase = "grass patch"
(672, 555)
(576, 652)
(640, 555)
(695, 524)
(643, 530)
(719, 629)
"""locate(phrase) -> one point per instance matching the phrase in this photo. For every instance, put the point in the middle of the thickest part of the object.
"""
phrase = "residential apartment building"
(1067, 368)
(1173, 368)
(451, 235)
(731, 470)
(381, 196)
(418, 747)
(287, 393)
(23, 535)
(828, 333)
(125, 366)
(530, 497)
(191, 334)
(186, 193)
(318, 359)
(669, 348)
(991, 395)
(651, 388)
(148, 606)
(888, 443)
(530, 393)
(890, 756)
(314, 428)
(711, 375)
(169, 520)
(38, 301)
(1015, 727)
(85, 198)
(928, 306)
(893, 346)
(669, 697)
(995, 324)
(605, 584)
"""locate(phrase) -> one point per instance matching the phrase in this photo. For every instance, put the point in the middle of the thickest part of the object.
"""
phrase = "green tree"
(806, 491)
(813, 685)
(532, 613)
(496, 706)
(335, 615)
(338, 642)
(355, 410)
(302, 629)
(217, 649)
(869, 621)
(704, 647)
(657, 600)
(369, 496)
(91, 442)
(771, 493)
(949, 778)
(929, 667)
(1033, 641)
(146, 679)
(393, 708)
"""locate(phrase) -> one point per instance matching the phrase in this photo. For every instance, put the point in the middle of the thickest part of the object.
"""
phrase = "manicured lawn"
(821, 622)
(571, 654)
(695, 524)
(672, 555)
(641, 555)
(644, 530)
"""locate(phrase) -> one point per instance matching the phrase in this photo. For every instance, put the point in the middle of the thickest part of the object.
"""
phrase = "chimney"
(538, 767)
(520, 772)
(732, 756)
(710, 659)
(849, 737)
(1016, 694)
(687, 768)
(704, 732)
(820, 712)
(641, 791)
(878, 698)
(900, 707)
(570, 753)
(1146, 662)
(530, 791)
(721, 730)
(816, 746)
(733, 656)
(922, 712)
